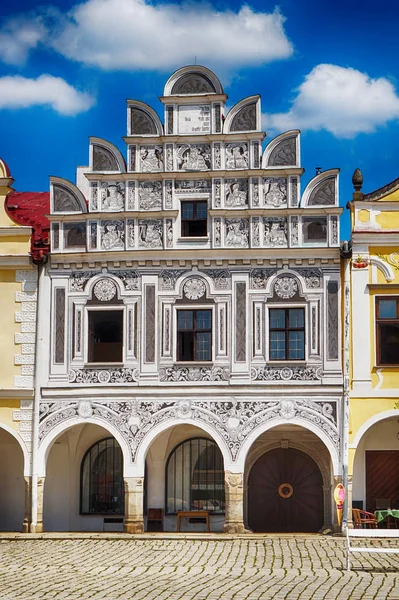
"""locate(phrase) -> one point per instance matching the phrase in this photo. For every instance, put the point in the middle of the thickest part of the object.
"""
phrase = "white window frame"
(102, 308)
(284, 306)
(213, 336)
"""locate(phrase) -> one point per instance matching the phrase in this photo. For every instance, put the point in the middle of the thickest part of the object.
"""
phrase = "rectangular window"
(194, 219)
(287, 334)
(105, 336)
(194, 335)
(387, 318)
(314, 230)
(75, 235)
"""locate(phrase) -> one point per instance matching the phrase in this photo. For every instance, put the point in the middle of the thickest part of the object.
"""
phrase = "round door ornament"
(285, 490)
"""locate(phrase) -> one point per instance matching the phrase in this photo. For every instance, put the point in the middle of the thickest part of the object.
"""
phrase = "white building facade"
(190, 337)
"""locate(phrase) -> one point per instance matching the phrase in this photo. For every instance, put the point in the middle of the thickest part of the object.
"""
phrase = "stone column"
(27, 515)
(134, 488)
(234, 502)
(38, 526)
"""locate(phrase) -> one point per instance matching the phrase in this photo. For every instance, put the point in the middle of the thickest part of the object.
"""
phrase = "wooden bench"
(371, 534)
(193, 514)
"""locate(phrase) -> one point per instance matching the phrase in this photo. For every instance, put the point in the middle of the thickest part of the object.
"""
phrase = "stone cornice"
(179, 175)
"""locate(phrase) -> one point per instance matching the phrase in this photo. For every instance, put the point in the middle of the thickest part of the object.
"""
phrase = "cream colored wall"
(381, 436)
(12, 495)
(7, 406)
(8, 327)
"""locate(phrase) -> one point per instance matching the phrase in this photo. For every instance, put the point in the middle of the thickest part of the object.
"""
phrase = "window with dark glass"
(314, 229)
(194, 335)
(387, 318)
(194, 216)
(75, 235)
(105, 336)
(286, 334)
(101, 481)
(195, 477)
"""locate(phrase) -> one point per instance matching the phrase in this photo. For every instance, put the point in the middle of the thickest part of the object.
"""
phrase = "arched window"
(195, 477)
(101, 481)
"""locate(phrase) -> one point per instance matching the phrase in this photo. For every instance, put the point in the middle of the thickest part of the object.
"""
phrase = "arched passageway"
(12, 496)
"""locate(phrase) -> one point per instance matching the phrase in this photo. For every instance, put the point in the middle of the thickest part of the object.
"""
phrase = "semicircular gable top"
(244, 116)
(322, 190)
(283, 151)
(104, 156)
(66, 197)
(193, 80)
(142, 119)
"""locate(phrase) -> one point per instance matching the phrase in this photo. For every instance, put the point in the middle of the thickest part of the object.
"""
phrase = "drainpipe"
(346, 254)
(39, 362)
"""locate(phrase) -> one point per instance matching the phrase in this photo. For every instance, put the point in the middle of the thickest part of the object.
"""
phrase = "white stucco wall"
(12, 496)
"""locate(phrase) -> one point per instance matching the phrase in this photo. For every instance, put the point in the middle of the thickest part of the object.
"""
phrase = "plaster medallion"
(104, 376)
(85, 409)
(184, 409)
(287, 410)
(104, 290)
(286, 373)
(286, 287)
(194, 289)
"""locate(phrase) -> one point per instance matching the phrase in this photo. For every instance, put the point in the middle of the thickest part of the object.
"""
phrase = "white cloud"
(341, 100)
(20, 92)
(18, 37)
(135, 34)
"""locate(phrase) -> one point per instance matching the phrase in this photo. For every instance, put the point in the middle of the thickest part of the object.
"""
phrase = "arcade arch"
(14, 499)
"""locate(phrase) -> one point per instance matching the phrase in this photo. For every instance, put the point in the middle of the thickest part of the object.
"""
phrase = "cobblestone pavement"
(202, 568)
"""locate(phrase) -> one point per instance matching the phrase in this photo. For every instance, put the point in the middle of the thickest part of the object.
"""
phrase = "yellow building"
(19, 250)
(372, 276)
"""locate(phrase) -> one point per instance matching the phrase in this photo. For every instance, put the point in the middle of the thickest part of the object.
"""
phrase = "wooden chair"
(385, 504)
(363, 519)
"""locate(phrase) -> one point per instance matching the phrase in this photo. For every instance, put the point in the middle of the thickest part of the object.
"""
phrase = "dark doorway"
(382, 477)
(285, 493)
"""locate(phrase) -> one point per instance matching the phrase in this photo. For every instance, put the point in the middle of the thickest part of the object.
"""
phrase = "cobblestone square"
(184, 567)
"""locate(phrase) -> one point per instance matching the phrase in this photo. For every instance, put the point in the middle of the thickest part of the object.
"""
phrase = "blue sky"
(327, 68)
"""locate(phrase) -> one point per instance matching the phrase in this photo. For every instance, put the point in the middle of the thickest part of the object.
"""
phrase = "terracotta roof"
(30, 209)
(382, 191)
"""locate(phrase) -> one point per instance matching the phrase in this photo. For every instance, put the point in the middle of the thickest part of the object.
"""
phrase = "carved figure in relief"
(275, 192)
(237, 156)
(236, 235)
(151, 158)
(112, 198)
(151, 234)
(112, 236)
(275, 233)
(150, 194)
(236, 196)
(194, 158)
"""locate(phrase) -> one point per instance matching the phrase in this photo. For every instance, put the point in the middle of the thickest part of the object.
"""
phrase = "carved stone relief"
(104, 159)
(64, 200)
(150, 195)
(332, 320)
(294, 239)
(217, 228)
(294, 191)
(132, 160)
(255, 191)
(112, 235)
(217, 202)
(150, 233)
(236, 192)
(284, 154)
(169, 157)
(112, 196)
(255, 231)
(104, 290)
(275, 192)
(177, 374)
(245, 119)
(141, 122)
(78, 280)
(151, 158)
(193, 186)
(323, 194)
(275, 233)
(217, 156)
(196, 157)
(233, 420)
(168, 278)
(131, 195)
(237, 232)
(221, 278)
(169, 113)
(237, 155)
(94, 196)
(285, 287)
(193, 83)
(169, 233)
(194, 288)
(168, 194)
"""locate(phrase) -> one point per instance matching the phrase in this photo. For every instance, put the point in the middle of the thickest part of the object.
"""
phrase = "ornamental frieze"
(103, 376)
(233, 420)
(286, 373)
(192, 374)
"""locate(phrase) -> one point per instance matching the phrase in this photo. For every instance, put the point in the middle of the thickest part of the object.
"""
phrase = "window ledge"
(287, 363)
(103, 365)
(200, 238)
(203, 363)
(379, 367)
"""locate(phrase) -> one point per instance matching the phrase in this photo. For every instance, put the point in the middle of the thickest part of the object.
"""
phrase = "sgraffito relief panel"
(196, 157)
(150, 323)
(193, 186)
(237, 232)
(236, 193)
(151, 158)
(131, 195)
(112, 196)
(104, 159)
(275, 192)
(59, 322)
(275, 232)
(332, 320)
(141, 123)
(150, 195)
(241, 322)
(112, 235)
(150, 233)
(132, 158)
(237, 156)
(284, 154)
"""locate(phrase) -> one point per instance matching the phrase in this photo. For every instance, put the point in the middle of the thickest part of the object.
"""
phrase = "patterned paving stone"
(289, 568)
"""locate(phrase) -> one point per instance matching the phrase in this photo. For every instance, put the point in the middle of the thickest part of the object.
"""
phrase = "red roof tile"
(30, 209)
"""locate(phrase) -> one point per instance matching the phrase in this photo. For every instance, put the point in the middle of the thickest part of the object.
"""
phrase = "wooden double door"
(285, 493)
(382, 477)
